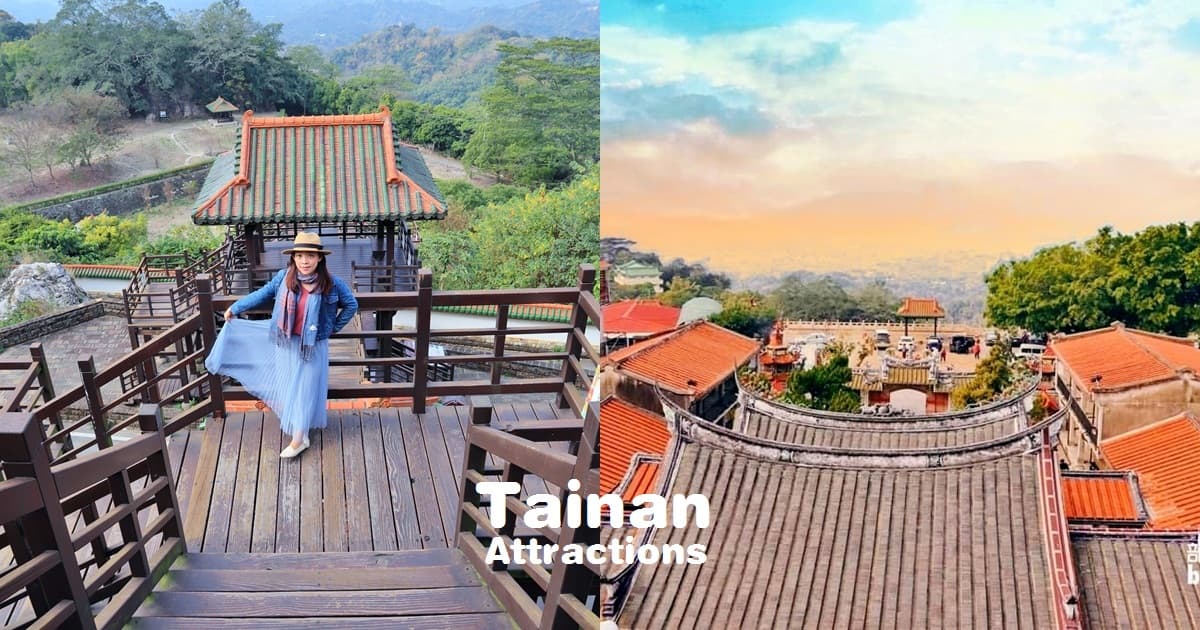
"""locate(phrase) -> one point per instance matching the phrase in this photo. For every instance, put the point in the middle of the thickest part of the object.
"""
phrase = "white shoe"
(292, 451)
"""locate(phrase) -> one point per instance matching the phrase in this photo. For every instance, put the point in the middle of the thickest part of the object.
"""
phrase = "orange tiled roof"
(1123, 357)
(1166, 457)
(625, 431)
(692, 359)
(1099, 497)
(639, 316)
(318, 168)
(920, 307)
(643, 479)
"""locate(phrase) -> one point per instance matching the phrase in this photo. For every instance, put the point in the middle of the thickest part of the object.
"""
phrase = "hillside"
(446, 69)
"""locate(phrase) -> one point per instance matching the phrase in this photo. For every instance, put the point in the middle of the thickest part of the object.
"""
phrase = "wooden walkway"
(378, 479)
(436, 588)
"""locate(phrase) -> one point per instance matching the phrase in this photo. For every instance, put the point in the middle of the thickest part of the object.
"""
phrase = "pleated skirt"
(294, 389)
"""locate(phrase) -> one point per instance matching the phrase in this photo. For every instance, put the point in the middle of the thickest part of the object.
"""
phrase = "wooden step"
(433, 588)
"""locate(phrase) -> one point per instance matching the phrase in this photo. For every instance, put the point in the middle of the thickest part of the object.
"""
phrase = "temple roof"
(639, 317)
(627, 430)
(920, 308)
(766, 426)
(690, 360)
(800, 545)
(1123, 357)
(318, 168)
(1108, 497)
(1136, 580)
(1166, 457)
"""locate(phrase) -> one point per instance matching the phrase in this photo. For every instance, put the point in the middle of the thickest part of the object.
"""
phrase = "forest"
(68, 88)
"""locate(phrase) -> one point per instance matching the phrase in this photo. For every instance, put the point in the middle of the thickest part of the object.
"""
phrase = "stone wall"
(485, 345)
(34, 328)
(183, 185)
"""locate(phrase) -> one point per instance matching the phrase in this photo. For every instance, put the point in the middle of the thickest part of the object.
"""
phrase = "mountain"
(446, 68)
(332, 24)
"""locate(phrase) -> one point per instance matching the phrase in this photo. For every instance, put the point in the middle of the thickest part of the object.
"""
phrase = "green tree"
(823, 386)
(541, 119)
(993, 375)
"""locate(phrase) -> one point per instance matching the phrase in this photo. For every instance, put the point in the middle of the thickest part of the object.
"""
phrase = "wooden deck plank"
(404, 507)
(379, 493)
(266, 580)
(266, 503)
(287, 519)
(428, 516)
(196, 519)
(241, 522)
(444, 472)
(216, 531)
(469, 621)
(358, 509)
(288, 561)
(333, 487)
(394, 603)
(312, 537)
(194, 439)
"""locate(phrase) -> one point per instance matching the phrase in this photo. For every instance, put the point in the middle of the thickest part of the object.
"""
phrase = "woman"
(292, 377)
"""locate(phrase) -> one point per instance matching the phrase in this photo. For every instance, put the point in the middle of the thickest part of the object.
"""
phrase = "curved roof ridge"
(696, 430)
(923, 428)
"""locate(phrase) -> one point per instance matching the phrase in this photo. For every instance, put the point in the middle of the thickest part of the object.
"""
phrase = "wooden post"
(498, 348)
(577, 580)
(87, 373)
(480, 412)
(587, 280)
(421, 345)
(46, 382)
(208, 329)
(44, 529)
(150, 420)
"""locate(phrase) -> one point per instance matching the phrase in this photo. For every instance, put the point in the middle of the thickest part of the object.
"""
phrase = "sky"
(762, 138)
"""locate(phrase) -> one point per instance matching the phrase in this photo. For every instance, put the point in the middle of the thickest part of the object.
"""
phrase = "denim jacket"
(331, 320)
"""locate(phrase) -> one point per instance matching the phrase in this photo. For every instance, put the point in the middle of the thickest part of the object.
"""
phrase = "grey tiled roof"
(768, 427)
(1136, 581)
(823, 547)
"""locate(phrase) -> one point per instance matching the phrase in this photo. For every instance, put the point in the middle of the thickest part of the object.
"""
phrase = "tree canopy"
(1148, 280)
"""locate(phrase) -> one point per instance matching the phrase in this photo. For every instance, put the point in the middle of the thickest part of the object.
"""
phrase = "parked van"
(1031, 350)
(907, 344)
(883, 339)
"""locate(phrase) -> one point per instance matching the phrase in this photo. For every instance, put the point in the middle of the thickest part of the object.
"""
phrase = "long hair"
(324, 279)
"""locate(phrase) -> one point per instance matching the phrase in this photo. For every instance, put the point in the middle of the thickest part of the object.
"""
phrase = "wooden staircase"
(433, 588)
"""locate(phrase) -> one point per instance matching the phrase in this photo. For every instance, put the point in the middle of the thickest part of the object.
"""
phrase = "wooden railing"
(53, 570)
(383, 278)
(141, 368)
(578, 358)
(558, 596)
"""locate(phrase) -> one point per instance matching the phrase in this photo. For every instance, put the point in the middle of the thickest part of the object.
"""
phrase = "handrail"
(35, 497)
(569, 592)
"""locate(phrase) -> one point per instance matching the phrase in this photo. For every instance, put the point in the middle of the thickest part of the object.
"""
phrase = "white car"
(906, 343)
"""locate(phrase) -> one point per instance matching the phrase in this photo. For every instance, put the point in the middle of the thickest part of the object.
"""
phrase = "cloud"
(635, 109)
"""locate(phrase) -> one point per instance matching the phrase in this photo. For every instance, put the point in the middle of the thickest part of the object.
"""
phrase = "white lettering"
(544, 511)
(653, 512)
(497, 552)
(496, 491)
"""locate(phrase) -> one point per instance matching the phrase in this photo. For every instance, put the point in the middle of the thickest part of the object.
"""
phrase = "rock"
(44, 282)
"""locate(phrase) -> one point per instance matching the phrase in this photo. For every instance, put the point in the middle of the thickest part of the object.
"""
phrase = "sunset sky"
(761, 138)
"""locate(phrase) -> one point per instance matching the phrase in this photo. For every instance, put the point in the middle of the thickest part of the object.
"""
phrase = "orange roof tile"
(692, 359)
(625, 431)
(1099, 497)
(920, 307)
(1123, 357)
(638, 316)
(1166, 457)
(643, 479)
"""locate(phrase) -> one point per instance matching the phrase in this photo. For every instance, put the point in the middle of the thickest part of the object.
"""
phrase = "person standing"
(292, 377)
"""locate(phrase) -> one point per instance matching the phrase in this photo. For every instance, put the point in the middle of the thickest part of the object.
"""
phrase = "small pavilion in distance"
(919, 309)
(222, 110)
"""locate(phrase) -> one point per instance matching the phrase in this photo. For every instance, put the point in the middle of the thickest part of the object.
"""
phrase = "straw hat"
(306, 242)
